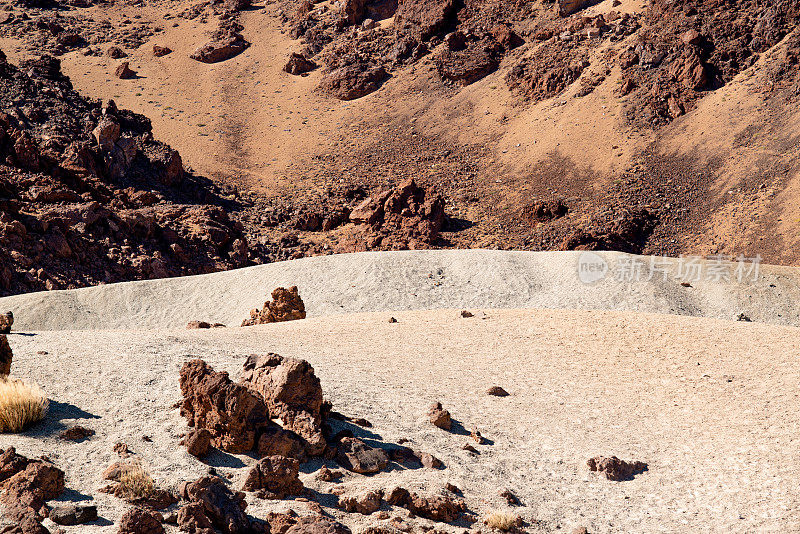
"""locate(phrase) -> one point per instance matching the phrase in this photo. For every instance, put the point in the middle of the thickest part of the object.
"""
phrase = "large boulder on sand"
(292, 393)
(233, 413)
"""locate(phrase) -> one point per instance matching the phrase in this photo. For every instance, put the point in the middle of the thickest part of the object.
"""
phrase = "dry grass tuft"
(502, 520)
(21, 405)
(135, 483)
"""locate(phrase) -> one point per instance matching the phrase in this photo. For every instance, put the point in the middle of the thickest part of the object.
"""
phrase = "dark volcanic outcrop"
(87, 195)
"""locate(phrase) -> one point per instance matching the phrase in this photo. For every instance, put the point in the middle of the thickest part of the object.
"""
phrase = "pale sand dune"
(711, 405)
(385, 281)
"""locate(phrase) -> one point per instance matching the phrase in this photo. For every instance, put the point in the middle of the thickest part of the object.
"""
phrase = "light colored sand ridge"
(380, 281)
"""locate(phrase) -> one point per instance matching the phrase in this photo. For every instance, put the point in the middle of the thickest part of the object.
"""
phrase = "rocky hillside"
(663, 127)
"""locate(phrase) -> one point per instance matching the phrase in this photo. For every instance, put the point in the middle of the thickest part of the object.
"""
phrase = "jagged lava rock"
(614, 468)
(223, 507)
(357, 456)
(274, 477)
(286, 305)
(233, 413)
(292, 392)
(141, 521)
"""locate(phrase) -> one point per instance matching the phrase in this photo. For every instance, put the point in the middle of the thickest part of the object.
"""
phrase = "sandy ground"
(710, 405)
(385, 281)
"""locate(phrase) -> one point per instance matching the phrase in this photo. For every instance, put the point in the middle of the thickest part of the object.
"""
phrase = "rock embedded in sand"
(439, 416)
(72, 514)
(76, 433)
(141, 521)
(614, 468)
(366, 503)
(286, 305)
(161, 51)
(357, 456)
(497, 391)
(299, 64)
(223, 507)
(6, 320)
(292, 393)
(6, 355)
(198, 442)
(353, 81)
(124, 71)
(115, 52)
(225, 47)
(328, 475)
(317, 525)
(274, 477)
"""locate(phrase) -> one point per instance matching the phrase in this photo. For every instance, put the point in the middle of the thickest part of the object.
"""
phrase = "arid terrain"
(654, 127)
(399, 266)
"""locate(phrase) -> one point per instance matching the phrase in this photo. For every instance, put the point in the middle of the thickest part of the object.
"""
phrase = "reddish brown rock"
(223, 507)
(231, 412)
(221, 49)
(353, 81)
(439, 416)
(299, 64)
(328, 475)
(497, 391)
(568, 7)
(28, 483)
(692, 37)
(355, 455)
(477, 60)
(286, 305)
(76, 433)
(161, 51)
(279, 523)
(421, 19)
(614, 468)
(124, 71)
(436, 507)
(317, 525)
(192, 518)
(115, 52)
(398, 497)
(5, 356)
(194, 325)
(276, 441)
(406, 217)
(198, 442)
(72, 514)
(509, 496)
(274, 477)
(6, 320)
(141, 521)
(366, 503)
(690, 70)
(290, 389)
